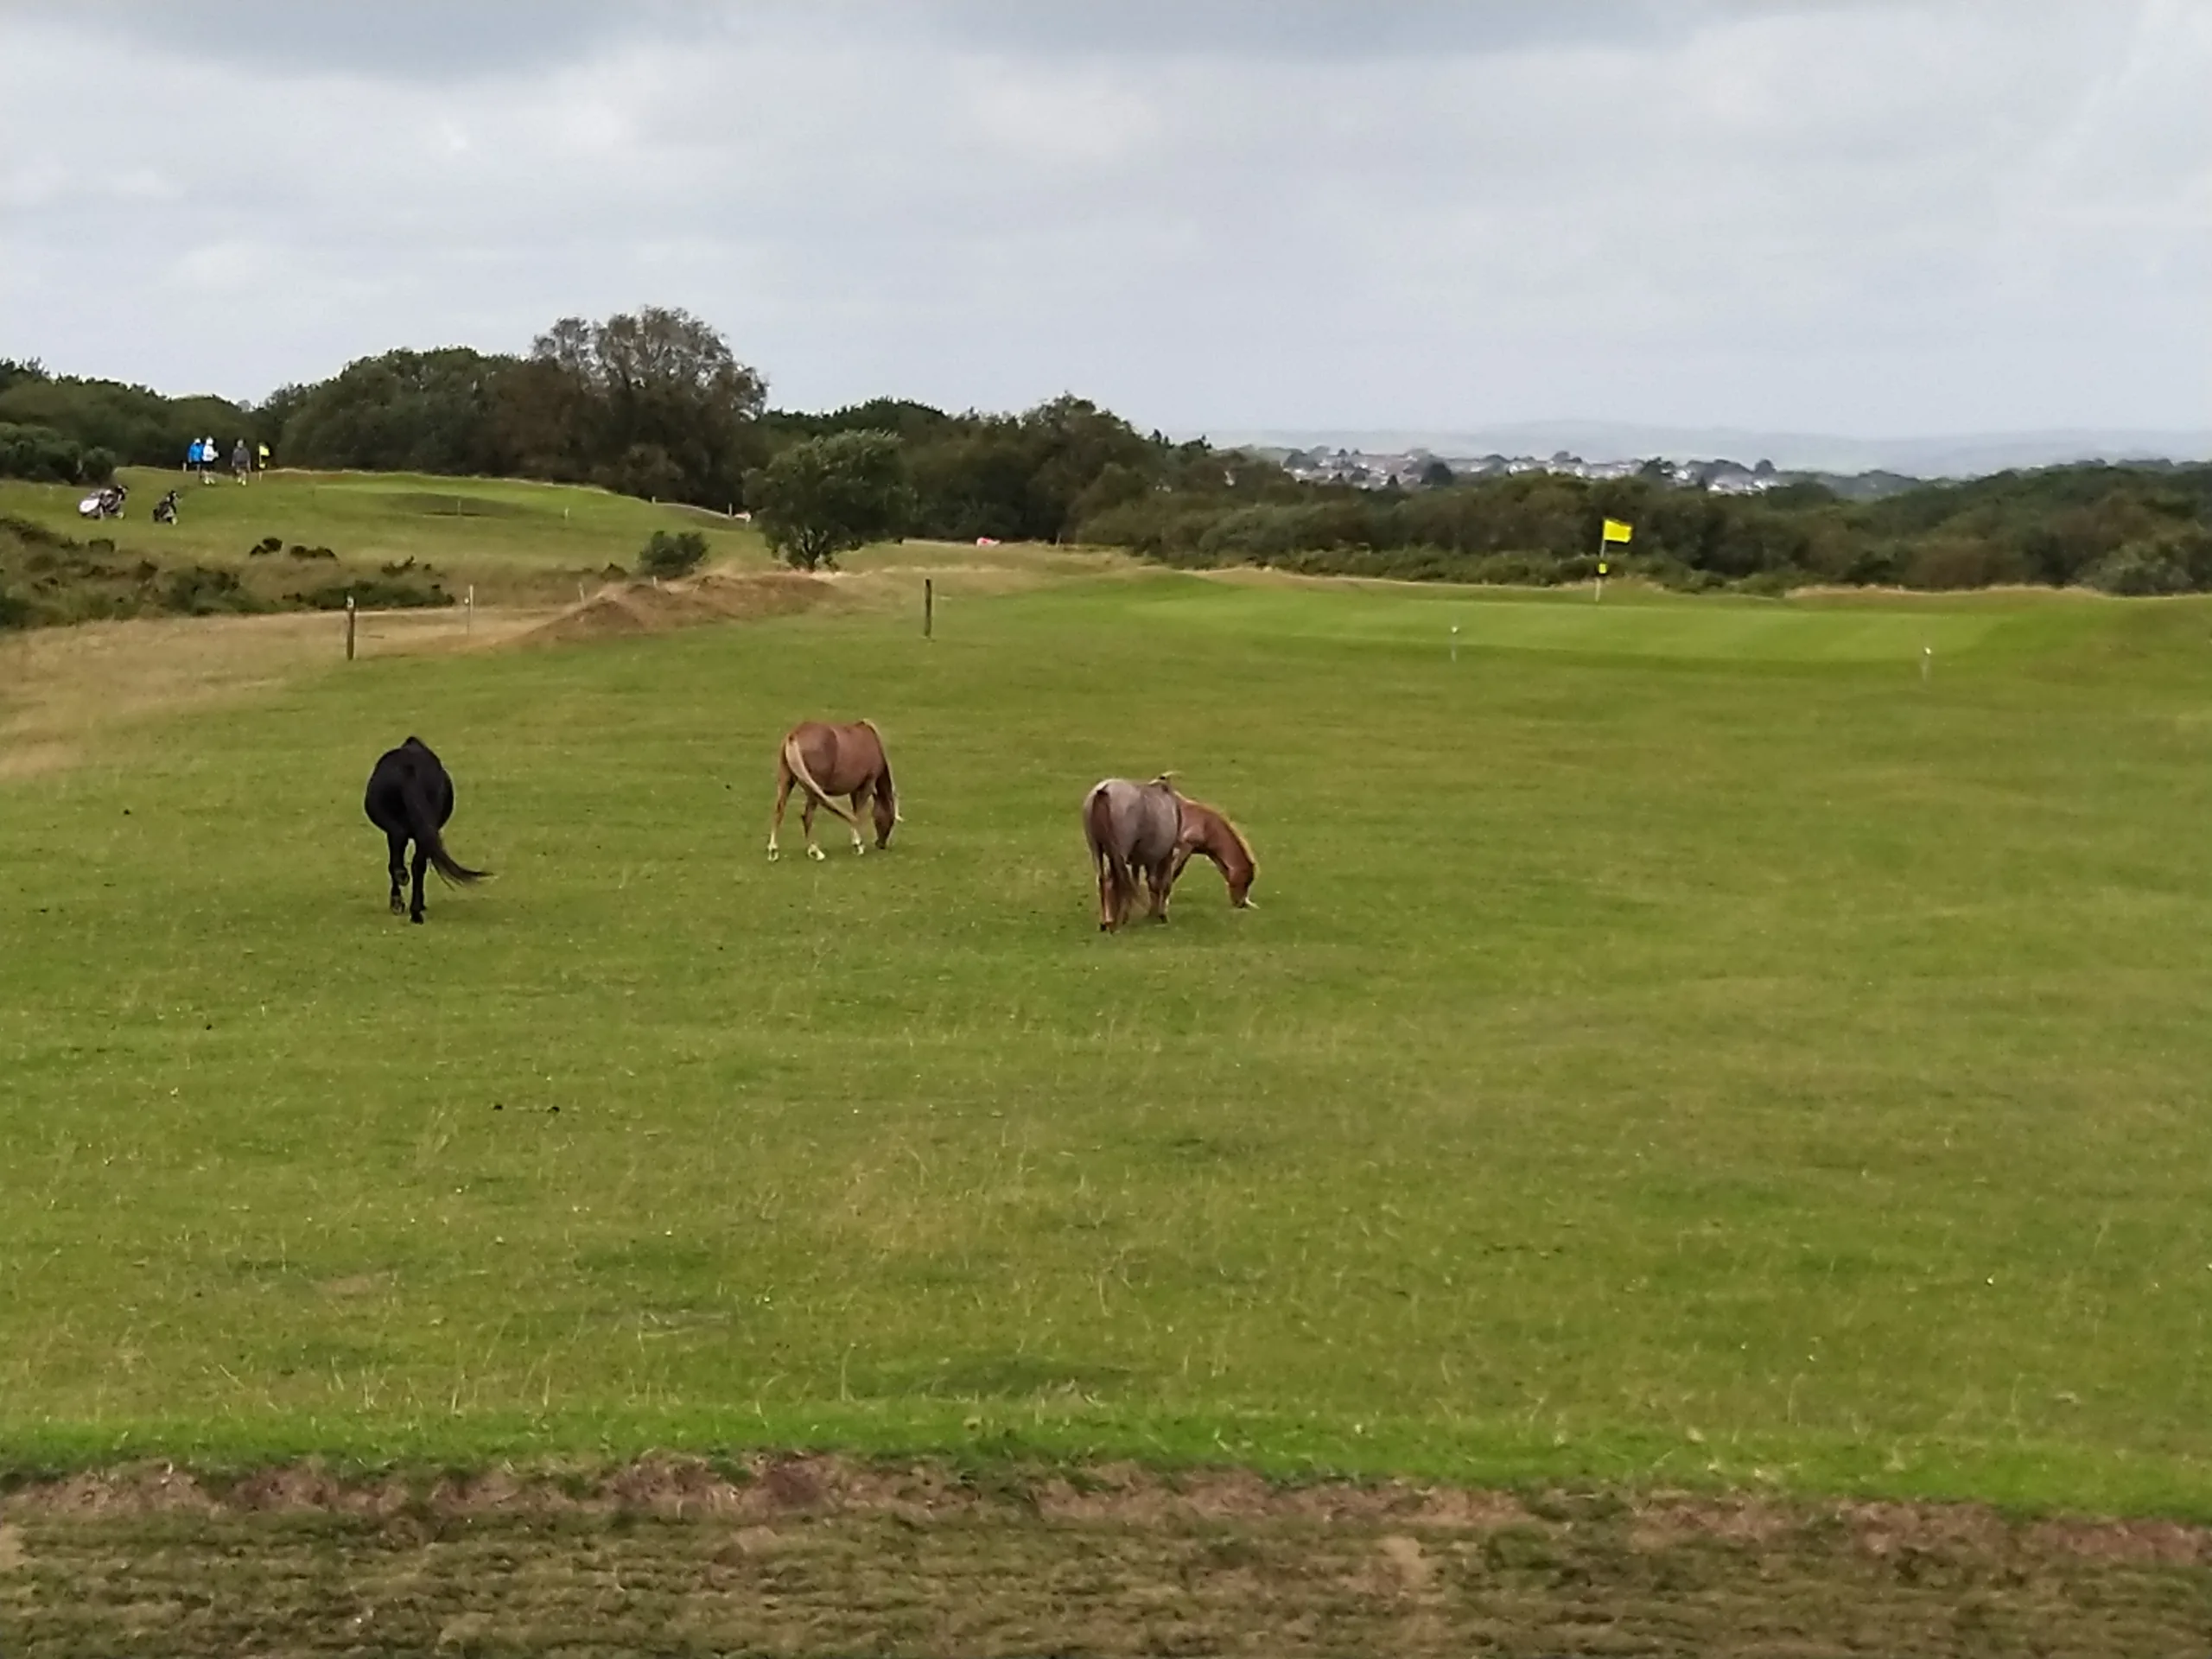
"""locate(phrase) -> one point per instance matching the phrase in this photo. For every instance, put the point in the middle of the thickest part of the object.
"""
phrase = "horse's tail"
(423, 823)
(794, 759)
(1113, 868)
(1097, 824)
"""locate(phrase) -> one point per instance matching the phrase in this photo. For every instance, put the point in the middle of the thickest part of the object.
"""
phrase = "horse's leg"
(397, 844)
(1105, 893)
(860, 810)
(422, 863)
(776, 819)
(1160, 881)
(806, 822)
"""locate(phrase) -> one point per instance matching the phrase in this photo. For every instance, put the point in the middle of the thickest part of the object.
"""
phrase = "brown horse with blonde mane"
(1208, 833)
(826, 762)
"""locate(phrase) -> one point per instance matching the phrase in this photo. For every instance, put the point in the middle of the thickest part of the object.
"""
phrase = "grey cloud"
(1849, 217)
(405, 40)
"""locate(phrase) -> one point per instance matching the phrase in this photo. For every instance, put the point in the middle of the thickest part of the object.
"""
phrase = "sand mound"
(636, 607)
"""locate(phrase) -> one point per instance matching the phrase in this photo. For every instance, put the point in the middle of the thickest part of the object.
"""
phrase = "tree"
(824, 496)
(653, 403)
(403, 412)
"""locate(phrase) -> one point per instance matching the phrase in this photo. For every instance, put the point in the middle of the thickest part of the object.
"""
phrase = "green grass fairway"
(515, 537)
(1676, 1044)
(1637, 623)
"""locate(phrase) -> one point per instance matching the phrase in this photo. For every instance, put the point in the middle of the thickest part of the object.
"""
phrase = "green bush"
(42, 454)
(672, 554)
(1947, 561)
(201, 591)
(374, 594)
(2138, 571)
(1771, 584)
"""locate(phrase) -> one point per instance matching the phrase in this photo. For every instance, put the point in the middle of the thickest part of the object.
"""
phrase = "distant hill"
(1962, 455)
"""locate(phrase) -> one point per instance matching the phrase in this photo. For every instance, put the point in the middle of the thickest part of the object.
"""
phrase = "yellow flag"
(1616, 530)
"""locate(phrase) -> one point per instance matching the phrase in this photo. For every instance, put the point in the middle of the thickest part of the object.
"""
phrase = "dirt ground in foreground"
(816, 1555)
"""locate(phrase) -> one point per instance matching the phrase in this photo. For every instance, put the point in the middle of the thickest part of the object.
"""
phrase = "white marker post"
(1927, 662)
(469, 611)
(1455, 642)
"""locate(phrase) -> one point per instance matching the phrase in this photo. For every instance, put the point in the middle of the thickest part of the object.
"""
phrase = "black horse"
(409, 798)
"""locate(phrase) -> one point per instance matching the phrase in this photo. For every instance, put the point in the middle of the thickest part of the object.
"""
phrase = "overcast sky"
(1870, 218)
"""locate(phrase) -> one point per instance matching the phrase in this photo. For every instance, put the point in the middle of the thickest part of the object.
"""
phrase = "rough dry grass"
(622, 609)
(62, 688)
(823, 1555)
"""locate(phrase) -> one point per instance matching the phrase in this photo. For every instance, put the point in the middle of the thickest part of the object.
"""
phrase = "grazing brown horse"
(827, 761)
(1208, 832)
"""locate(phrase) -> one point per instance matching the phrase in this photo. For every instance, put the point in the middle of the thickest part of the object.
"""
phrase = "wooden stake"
(929, 605)
(349, 627)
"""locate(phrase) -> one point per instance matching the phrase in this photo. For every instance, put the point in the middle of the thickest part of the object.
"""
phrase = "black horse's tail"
(422, 822)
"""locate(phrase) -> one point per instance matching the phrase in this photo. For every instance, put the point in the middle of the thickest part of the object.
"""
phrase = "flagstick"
(1599, 598)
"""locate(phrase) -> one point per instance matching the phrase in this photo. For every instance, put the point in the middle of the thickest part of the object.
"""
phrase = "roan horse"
(1152, 830)
(826, 761)
(409, 798)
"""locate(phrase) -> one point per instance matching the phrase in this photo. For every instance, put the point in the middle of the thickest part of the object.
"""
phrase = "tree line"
(2125, 530)
(656, 403)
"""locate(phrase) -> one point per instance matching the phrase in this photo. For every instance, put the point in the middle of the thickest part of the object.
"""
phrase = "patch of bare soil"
(813, 1555)
(628, 608)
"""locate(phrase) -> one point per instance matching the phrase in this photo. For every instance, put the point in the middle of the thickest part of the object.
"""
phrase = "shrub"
(1948, 561)
(267, 544)
(1515, 571)
(676, 553)
(2138, 571)
(201, 591)
(41, 454)
(374, 594)
(1771, 584)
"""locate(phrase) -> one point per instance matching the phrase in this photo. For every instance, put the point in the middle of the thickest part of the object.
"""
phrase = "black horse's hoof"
(416, 919)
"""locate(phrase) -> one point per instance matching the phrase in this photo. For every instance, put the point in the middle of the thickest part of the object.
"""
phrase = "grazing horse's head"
(886, 807)
(1207, 831)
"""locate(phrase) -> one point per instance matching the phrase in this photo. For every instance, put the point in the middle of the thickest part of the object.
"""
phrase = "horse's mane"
(1229, 824)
